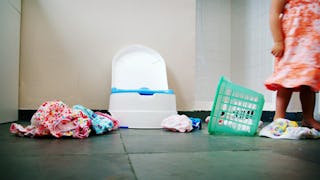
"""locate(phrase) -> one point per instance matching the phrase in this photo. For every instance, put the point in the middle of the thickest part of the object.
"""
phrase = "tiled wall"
(250, 50)
(213, 52)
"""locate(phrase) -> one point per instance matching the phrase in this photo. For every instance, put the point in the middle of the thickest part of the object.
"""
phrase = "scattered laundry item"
(114, 121)
(286, 129)
(100, 124)
(57, 119)
(260, 124)
(180, 123)
(207, 119)
(196, 122)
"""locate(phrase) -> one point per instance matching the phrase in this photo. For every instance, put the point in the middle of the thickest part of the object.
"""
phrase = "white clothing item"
(286, 129)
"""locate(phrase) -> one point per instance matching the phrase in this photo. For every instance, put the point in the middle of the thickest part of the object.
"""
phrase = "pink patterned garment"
(179, 123)
(300, 64)
(57, 119)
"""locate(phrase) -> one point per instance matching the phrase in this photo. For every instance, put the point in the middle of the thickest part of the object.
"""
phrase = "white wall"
(9, 59)
(67, 47)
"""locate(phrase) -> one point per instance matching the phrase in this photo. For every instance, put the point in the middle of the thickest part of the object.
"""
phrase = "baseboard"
(25, 115)
(267, 116)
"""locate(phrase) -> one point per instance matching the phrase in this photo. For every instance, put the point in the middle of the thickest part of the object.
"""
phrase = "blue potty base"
(142, 91)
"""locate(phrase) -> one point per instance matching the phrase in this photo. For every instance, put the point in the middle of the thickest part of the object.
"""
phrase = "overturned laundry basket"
(236, 110)
(140, 97)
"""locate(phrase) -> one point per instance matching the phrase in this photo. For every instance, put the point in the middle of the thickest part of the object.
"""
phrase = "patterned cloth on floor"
(101, 122)
(57, 119)
(114, 121)
(196, 122)
(181, 123)
(286, 129)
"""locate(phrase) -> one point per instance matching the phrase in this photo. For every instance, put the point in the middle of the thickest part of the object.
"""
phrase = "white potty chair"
(140, 97)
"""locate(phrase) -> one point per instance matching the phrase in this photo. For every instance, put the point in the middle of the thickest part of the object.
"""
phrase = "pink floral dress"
(300, 64)
(57, 119)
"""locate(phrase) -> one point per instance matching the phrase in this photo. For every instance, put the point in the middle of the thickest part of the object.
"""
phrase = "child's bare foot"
(311, 124)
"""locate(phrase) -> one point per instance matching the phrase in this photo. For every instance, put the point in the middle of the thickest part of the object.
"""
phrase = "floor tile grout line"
(126, 152)
(191, 152)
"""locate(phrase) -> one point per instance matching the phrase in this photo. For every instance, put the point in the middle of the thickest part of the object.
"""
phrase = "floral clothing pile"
(55, 118)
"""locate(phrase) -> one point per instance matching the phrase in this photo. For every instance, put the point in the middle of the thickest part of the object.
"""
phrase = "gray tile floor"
(157, 154)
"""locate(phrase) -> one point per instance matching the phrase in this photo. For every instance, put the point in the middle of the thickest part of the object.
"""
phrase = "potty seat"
(140, 97)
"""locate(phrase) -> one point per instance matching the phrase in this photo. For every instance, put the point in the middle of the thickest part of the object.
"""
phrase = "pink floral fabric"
(179, 123)
(300, 64)
(57, 119)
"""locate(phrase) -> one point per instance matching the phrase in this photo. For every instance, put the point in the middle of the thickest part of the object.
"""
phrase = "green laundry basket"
(236, 110)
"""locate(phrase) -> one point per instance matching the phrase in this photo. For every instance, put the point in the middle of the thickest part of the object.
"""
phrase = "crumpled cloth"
(180, 123)
(116, 123)
(101, 122)
(286, 129)
(57, 119)
(196, 122)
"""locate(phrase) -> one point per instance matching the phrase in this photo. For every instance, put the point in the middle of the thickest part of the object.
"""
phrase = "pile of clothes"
(286, 129)
(55, 118)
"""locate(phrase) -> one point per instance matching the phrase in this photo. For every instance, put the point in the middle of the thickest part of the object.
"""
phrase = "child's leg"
(282, 101)
(307, 98)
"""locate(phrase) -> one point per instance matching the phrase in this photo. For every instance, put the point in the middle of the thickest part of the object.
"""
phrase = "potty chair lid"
(138, 67)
